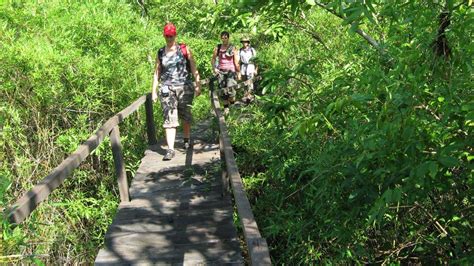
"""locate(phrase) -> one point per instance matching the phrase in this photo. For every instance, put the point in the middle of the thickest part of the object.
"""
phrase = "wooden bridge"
(174, 212)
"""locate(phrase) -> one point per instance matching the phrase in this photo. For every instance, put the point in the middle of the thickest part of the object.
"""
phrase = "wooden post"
(119, 164)
(150, 122)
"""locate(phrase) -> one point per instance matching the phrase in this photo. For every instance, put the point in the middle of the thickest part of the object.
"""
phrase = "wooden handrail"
(257, 246)
(20, 210)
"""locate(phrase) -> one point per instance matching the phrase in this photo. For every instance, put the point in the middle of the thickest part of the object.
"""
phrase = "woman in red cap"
(173, 66)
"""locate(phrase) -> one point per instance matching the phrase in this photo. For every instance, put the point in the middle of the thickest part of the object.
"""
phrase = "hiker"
(227, 69)
(248, 69)
(174, 65)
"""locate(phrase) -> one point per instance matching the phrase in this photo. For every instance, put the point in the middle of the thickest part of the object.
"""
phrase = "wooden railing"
(20, 210)
(256, 245)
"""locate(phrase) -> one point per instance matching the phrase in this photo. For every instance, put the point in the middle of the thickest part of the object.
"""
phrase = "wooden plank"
(169, 204)
(149, 252)
(175, 190)
(192, 234)
(217, 214)
(171, 224)
(165, 181)
(160, 240)
(29, 201)
(257, 246)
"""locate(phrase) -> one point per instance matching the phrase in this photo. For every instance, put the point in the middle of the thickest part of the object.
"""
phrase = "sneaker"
(169, 155)
(186, 144)
(226, 111)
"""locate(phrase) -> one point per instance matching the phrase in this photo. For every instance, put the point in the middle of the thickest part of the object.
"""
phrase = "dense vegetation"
(364, 121)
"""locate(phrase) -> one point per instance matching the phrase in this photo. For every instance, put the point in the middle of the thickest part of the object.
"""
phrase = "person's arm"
(237, 62)
(213, 61)
(156, 79)
(197, 78)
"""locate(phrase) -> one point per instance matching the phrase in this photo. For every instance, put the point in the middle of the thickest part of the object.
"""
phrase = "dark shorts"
(177, 104)
(227, 79)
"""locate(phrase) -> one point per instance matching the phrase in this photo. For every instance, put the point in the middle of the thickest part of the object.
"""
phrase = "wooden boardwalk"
(177, 214)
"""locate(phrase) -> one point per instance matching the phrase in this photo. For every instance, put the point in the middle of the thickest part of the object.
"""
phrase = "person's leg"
(186, 134)
(250, 96)
(246, 93)
(185, 101)
(223, 94)
(231, 81)
(170, 120)
(186, 129)
(170, 137)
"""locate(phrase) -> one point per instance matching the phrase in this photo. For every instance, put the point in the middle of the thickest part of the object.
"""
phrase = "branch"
(313, 34)
(362, 33)
(460, 4)
(144, 9)
(437, 225)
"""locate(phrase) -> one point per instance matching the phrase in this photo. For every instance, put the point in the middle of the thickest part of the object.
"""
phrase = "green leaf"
(455, 218)
(433, 168)
(448, 161)
(310, 2)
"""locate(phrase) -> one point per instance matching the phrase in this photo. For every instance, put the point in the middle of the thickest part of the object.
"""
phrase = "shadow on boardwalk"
(177, 214)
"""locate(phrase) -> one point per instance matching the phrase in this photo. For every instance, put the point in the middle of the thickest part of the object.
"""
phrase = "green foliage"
(362, 158)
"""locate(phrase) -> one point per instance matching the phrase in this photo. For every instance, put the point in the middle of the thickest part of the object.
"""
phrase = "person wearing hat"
(174, 65)
(227, 69)
(248, 69)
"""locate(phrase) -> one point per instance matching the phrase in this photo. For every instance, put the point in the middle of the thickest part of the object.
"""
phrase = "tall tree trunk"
(440, 45)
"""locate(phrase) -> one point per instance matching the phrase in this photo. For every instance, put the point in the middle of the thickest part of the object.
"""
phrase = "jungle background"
(358, 148)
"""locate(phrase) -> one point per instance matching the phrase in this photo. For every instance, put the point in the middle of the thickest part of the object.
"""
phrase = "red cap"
(169, 30)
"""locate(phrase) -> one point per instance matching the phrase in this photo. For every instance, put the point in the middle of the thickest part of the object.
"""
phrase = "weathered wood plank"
(179, 217)
(169, 205)
(166, 224)
(172, 187)
(149, 252)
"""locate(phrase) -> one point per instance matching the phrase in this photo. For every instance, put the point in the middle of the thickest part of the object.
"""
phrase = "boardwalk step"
(151, 250)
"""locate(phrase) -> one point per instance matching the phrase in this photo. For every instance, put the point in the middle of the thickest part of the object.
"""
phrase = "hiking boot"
(169, 155)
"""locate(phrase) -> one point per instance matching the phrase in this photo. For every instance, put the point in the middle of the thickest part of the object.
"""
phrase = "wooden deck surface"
(176, 214)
